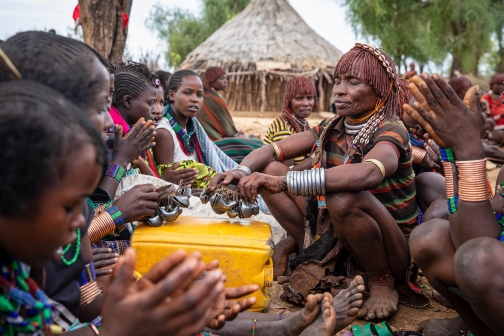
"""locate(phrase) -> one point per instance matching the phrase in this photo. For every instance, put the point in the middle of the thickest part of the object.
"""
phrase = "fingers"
(162, 268)
(106, 262)
(216, 180)
(135, 129)
(212, 265)
(238, 292)
(449, 94)
(122, 276)
(174, 166)
(99, 250)
(423, 118)
(434, 97)
(184, 272)
(103, 272)
(414, 86)
(472, 100)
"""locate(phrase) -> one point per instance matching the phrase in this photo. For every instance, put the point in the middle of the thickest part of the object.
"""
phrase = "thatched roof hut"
(263, 47)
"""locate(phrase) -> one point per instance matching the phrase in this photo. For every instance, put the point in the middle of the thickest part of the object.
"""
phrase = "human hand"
(185, 176)
(140, 201)
(448, 120)
(102, 258)
(226, 306)
(139, 139)
(432, 160)
(259, 183)
(226, 178)
(166, 301)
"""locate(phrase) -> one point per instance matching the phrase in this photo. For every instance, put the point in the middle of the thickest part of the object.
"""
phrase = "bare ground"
(406, 318)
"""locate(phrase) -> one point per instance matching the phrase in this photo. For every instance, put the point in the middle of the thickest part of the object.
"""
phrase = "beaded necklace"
(185, 138)
(76, 253)
(18, 290)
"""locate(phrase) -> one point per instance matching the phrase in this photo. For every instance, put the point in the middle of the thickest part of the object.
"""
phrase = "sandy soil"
(406, 318)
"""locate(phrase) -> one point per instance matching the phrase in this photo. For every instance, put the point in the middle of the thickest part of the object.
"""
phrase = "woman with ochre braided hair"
(361, 193)
(300, 100)
(215, 118)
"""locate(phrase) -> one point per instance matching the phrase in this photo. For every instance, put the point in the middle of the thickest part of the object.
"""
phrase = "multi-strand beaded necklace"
(20, 292)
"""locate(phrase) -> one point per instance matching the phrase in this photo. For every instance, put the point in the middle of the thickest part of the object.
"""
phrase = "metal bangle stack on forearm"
(306, 182)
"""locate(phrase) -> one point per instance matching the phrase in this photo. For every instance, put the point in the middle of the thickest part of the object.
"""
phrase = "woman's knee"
(275, 168)
(478, 265)
(342, 203)
(424, 241)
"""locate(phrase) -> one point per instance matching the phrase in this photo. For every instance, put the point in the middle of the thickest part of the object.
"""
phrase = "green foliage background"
(430, 30)
(184, 32)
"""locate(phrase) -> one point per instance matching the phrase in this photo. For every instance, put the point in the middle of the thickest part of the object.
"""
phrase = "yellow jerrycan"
(243, 248)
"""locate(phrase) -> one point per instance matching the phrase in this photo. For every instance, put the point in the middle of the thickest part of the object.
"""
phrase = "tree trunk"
(102, 26)
(456, 66)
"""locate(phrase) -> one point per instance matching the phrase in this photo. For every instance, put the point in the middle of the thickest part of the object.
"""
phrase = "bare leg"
(433, 251)
(478, 272)
(369, 232)
(429, 187)
(437, 209)
(288, 210)
(292, 326)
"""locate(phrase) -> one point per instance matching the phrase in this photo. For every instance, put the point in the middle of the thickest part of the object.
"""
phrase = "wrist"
(470, 153)
(120, 161)
(283, 183)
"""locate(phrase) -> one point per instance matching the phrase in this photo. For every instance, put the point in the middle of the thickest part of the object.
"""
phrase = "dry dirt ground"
(406, 318)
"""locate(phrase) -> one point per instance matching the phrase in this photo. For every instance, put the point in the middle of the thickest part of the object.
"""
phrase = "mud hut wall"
(244, 93)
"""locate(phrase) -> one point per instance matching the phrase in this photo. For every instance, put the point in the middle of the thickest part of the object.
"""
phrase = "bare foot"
(325, 323)
(440, 298)
(443, 327)
(297, 322)
(382, 302)
(347, 303)
(283, 250)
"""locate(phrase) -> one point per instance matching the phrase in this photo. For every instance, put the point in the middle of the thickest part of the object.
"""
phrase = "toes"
(392, 309)
(358, 280)
(311, 302)
(353, 311)
(370, 315)
(362, 313)
(381, 313)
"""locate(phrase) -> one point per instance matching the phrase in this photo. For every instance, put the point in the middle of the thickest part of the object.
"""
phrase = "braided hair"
(176, 80)
(163, 75)
(131, 79)
(59, 62)
(299, 86)
(39, 129)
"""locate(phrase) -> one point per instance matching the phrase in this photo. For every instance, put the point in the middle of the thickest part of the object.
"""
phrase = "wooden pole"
(321, 106)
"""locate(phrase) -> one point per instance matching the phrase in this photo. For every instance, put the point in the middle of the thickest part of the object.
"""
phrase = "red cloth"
(76, 13)
(496, 106)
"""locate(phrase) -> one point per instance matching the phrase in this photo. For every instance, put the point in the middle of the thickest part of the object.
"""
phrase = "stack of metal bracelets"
(88, 287)
(107, 218)
(418, 154)
(307, 182)
(447, 161)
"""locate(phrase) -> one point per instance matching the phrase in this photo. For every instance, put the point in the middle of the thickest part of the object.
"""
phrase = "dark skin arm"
(126, 149)
(163, 153)
(293, 146)
(355, 177)
(457, 125)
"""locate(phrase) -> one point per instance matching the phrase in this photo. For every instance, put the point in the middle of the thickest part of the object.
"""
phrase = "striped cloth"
(279, 130)
(238, 148)
(397, 192)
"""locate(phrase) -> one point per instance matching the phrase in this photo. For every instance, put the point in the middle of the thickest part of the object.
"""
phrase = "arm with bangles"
(455, 124)
(164, 154)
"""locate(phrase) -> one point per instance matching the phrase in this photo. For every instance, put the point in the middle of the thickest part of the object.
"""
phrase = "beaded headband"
(378, 54)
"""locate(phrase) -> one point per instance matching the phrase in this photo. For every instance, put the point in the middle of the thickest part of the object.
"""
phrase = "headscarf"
(211, 75)
(297, 86)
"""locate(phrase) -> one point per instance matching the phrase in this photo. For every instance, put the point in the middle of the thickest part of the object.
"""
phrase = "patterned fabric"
(215, 118)
(238, 148)
(205, 173)
(186, 138)
(118, 246)
(279, 130)
(397, 192)
(496, 106)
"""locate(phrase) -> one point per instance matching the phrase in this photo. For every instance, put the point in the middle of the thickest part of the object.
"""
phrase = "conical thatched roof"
(267, 35)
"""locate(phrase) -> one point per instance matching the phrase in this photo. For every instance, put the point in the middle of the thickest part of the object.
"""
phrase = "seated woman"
(43, 192)
(300, 100)
(494, 98)
(461, 260)
(180, 138)
(362, 191)
(215, 118)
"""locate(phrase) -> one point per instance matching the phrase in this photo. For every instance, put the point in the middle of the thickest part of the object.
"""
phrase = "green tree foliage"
(428, 30)
(183, 31)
